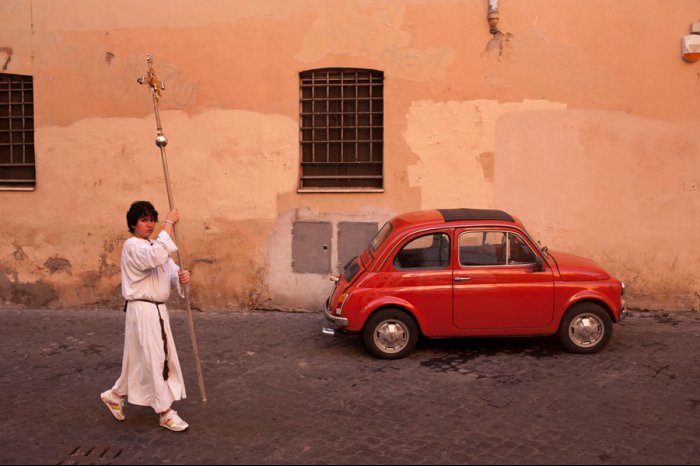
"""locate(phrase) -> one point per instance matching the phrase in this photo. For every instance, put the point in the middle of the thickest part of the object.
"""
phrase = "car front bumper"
(623, 311)
(623, 304)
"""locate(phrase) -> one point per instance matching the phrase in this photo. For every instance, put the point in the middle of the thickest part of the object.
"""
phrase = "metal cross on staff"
(156, 87)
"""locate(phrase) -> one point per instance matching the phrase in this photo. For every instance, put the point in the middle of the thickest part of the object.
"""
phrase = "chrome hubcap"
(391, 336)
(586, 330)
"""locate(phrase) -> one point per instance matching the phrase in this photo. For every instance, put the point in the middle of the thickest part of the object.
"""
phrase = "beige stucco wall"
(581, 119)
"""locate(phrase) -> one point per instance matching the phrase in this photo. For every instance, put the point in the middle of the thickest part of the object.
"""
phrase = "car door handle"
(462, 279)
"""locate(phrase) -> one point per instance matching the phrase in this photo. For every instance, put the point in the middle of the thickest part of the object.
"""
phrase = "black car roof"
(451, 215)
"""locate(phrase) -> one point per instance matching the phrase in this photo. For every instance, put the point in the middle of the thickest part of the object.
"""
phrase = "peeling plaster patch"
(232, 277)
(57, 264)
(335, 31)
(498, 44)
(108, 57)
(250, 164)
(598, 168)
(37, 294)
(153, 15)
(107, 266)
(90, 278)
(486, 159)
(450, 140)
(19, 253)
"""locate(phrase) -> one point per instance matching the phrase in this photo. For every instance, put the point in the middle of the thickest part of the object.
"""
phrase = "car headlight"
(623, 288)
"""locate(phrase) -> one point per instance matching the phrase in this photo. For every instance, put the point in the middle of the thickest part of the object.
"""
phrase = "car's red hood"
(577, 268)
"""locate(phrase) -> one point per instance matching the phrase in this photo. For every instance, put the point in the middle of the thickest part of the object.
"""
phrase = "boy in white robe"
(151, 373)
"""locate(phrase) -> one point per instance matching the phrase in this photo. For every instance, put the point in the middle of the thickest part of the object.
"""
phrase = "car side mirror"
(539, 264)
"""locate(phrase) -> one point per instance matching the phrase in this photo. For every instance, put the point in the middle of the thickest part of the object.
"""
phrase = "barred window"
(17, 171)
(341, 129)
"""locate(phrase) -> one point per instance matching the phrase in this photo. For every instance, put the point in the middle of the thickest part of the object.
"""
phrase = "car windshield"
(380, 237)
(538, 244)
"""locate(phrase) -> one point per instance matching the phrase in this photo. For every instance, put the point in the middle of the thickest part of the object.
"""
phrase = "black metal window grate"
(341, 129)
(17, 170)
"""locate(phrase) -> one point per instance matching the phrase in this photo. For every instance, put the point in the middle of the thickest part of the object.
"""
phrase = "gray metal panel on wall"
(353, 238)
(311, 247)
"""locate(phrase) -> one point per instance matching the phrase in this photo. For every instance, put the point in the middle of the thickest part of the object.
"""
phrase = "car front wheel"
(390, 334)
(586, 328)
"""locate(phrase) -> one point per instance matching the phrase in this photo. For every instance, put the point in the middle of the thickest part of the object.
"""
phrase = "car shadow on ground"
(467, 348)
(545, 346)
(455, 355)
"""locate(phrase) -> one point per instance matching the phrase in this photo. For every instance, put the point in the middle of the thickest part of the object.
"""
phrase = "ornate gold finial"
(152, 80)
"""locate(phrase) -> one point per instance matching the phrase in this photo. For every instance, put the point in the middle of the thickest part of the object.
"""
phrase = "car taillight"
(341, 302)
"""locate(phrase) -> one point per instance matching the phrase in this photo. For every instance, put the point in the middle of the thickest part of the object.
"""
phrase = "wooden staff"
(156, 87)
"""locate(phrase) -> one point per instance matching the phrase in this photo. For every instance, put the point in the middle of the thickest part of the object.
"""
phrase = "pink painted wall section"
(581, 118)
(618, 188)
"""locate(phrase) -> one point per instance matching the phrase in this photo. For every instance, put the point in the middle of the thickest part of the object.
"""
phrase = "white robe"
(148, 273)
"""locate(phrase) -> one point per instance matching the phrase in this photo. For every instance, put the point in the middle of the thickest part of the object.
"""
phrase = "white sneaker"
(114, 403)
(172, 421)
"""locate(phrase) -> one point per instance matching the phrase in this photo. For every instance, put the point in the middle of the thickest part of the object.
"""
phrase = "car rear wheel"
(586, 328)
(390, 334)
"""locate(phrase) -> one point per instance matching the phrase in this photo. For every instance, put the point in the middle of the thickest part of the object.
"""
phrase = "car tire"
(586, 328)
(390, 334)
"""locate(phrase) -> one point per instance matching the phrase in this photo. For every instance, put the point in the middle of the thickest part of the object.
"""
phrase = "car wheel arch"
(599, 302)
(396, 307)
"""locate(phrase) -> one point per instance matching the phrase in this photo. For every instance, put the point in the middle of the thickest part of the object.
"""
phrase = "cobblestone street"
(279, 392)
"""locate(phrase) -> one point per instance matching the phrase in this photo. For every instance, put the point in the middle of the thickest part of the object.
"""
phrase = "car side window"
(519, 251)
(482, 248)
(425, 252)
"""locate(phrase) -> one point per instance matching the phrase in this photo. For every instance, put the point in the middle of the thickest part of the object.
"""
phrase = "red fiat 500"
(470, 272)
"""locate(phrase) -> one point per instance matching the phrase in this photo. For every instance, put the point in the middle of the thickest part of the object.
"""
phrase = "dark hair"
(140, 209)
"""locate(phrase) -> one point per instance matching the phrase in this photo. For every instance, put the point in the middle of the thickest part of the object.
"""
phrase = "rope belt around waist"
(162, 332)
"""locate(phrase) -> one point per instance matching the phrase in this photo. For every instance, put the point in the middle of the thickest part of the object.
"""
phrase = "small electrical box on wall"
(690, 44)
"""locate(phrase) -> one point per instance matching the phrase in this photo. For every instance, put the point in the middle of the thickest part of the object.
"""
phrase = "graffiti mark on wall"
(181, 89)
(7, 51)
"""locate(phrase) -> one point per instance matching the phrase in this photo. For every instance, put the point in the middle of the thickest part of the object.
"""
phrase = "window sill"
(339, 190)
(8, 188)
